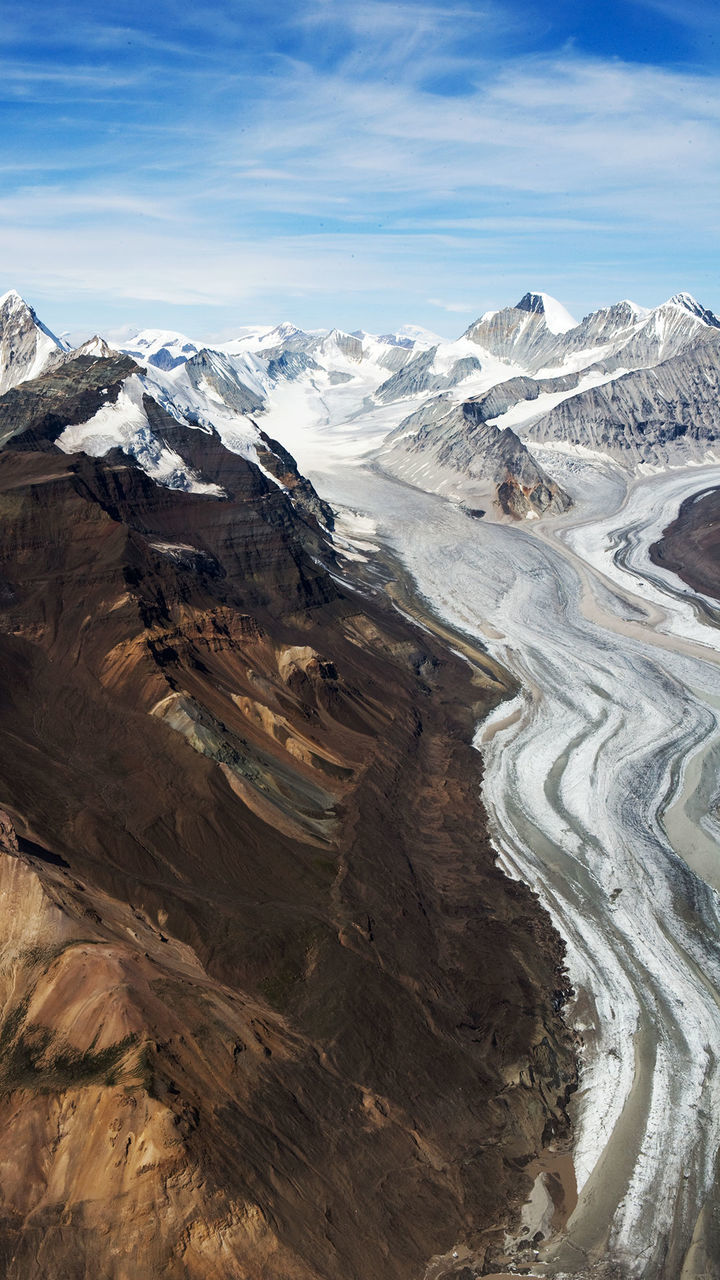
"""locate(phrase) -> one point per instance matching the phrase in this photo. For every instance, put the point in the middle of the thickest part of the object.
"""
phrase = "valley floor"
(601, 783)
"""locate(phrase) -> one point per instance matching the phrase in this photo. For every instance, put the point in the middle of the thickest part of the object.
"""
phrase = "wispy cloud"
(461, 308)
(332, 150)
(686, 13)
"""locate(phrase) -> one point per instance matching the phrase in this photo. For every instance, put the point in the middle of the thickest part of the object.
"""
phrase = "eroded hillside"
(269, 1009)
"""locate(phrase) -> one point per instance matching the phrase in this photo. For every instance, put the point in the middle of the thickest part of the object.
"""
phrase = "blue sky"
(364, 164)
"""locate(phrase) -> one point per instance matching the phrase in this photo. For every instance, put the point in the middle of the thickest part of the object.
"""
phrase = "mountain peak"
(97, 347)
(557, 319)
(12, 304)
(286, 329)
(27, 347)
(695, 308)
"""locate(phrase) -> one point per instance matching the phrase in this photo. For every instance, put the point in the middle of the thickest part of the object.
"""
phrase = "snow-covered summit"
(96, 347)
(557, 318)
(27, 347)
(163, 348)
(695, 308)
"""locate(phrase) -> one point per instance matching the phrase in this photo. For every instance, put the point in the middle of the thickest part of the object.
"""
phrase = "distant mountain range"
(471, 419)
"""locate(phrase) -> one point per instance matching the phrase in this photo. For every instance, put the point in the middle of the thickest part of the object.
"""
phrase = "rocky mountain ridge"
(269, 1007)
(652, 416)
(453, 449)
(635, 384)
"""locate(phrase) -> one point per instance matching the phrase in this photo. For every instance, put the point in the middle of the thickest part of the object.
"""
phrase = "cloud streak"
(348, 149)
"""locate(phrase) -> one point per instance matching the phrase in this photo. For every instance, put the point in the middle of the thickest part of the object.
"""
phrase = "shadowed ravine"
(600, 779)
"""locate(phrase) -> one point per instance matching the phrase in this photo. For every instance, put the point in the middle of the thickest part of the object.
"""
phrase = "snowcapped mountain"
(461, 417)
(163, 415)
(624, 335)
(160, 347)
(637, 384)
(556, 317)
(27, 347)
(667, 413)
(96, 347)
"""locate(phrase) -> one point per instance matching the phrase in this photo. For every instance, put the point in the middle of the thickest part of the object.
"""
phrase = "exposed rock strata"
(648, 416)
(269, 1008)
(452, 449)
(419, 375)
(213, 370)
(32, 415)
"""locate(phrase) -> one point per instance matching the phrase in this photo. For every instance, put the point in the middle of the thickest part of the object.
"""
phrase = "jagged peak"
(12, 296)
(684, 299)
(13, 303)
(95, 346)
(694, 308)
(557, 318)
(17, 311)
(628, 305)
(624, 312)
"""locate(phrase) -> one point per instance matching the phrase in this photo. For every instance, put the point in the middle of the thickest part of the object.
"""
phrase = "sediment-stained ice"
(620, 699)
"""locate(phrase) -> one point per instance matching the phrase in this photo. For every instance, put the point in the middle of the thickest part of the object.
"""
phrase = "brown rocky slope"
(269, 1010)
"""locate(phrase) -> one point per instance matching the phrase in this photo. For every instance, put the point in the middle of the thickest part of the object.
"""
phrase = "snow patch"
(124, 425)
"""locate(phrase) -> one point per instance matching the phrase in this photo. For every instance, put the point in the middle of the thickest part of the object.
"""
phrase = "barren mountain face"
(268, 1006)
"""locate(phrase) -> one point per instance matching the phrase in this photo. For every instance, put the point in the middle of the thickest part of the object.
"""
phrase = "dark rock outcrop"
(33, 414)
(690, 545)
(283, 466)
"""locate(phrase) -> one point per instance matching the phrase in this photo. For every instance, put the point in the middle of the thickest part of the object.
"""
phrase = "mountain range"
(472, 419)
(251, 910)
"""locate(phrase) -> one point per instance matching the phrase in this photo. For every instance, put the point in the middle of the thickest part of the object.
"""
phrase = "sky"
(360, 165)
